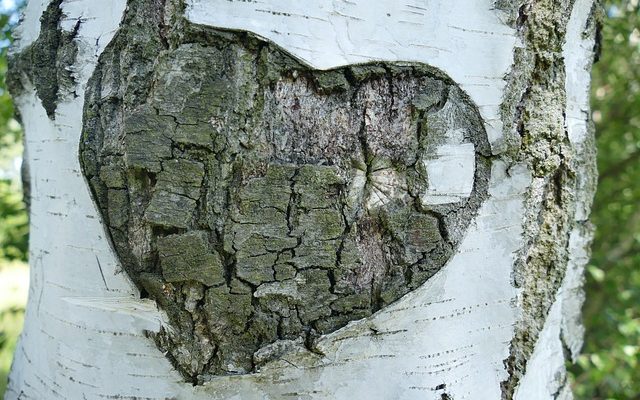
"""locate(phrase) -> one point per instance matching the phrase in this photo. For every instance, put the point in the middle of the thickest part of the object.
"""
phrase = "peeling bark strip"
(262, 203)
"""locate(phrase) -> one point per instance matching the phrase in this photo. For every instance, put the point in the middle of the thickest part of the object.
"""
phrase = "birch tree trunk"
(324, 200)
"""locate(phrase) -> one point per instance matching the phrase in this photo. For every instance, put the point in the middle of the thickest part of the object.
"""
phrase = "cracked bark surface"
(259, 202)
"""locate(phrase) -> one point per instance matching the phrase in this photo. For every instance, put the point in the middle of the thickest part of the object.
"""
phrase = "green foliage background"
(13, 215)
(13, 226)
(610, 365)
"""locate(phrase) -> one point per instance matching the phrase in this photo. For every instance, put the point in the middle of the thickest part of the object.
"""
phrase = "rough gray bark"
(261, 203)
(564, 173)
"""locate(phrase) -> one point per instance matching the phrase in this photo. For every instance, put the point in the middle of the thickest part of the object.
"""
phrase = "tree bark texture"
(339, 199)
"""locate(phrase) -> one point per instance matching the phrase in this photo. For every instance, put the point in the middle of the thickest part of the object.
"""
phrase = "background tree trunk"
(494, 316)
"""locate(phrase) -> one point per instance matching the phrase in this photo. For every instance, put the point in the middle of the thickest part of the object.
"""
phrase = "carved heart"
(257, 200)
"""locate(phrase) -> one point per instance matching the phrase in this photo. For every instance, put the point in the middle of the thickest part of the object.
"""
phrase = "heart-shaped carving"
(257, 200)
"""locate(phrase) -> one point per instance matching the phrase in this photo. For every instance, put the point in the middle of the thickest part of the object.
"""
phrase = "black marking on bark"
(102, 273)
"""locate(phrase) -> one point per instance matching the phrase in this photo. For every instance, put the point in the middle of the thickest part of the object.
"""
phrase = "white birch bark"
(84, 330)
